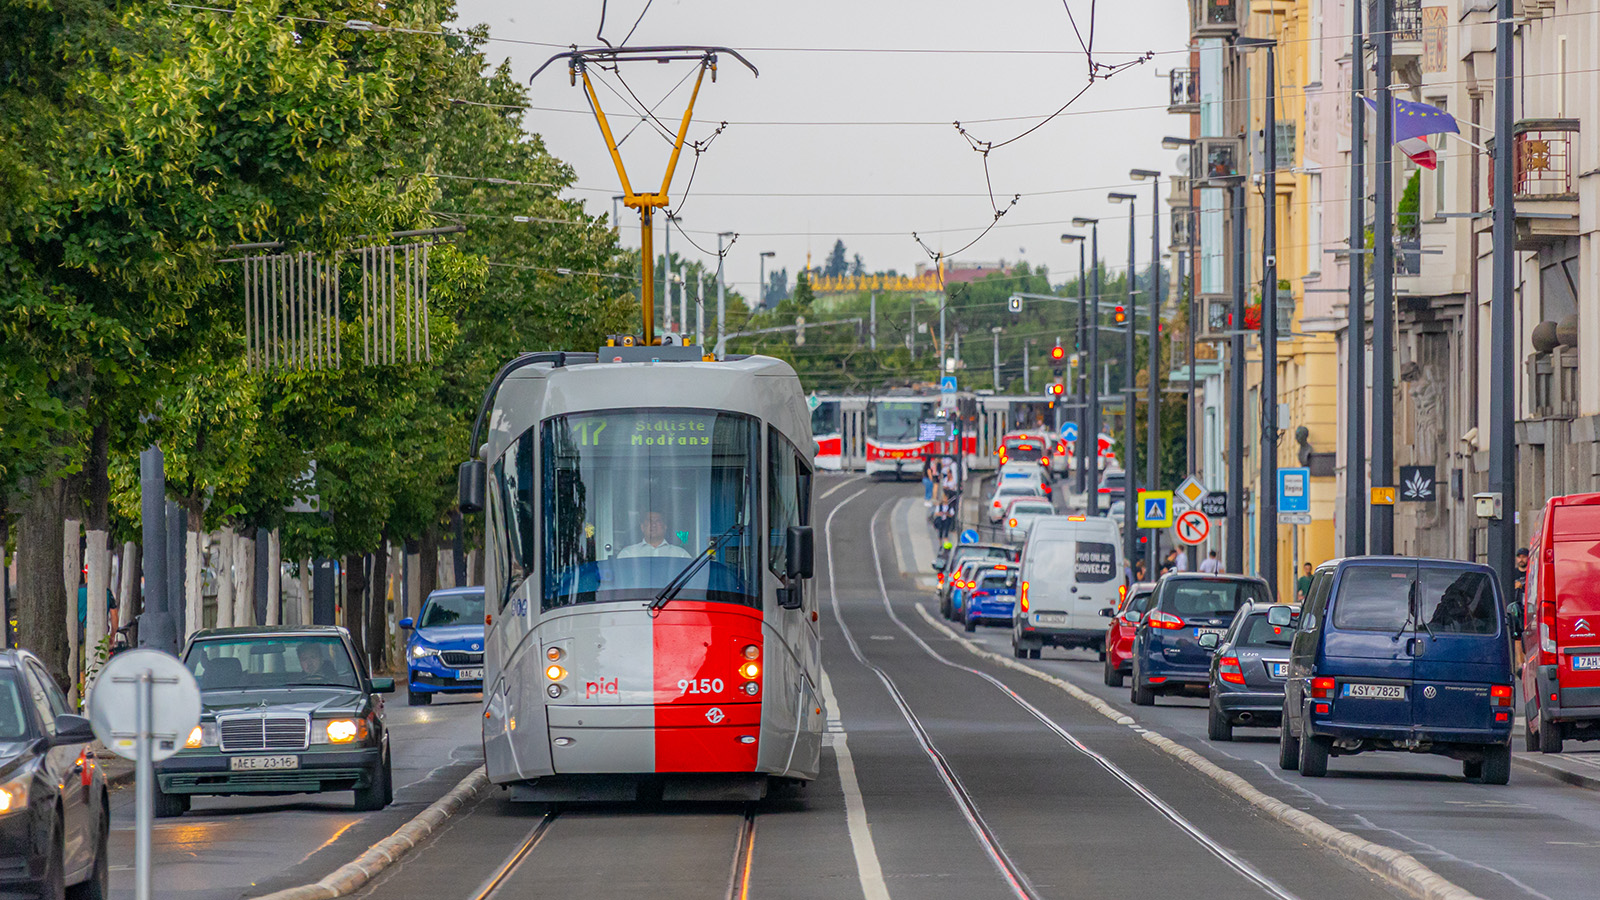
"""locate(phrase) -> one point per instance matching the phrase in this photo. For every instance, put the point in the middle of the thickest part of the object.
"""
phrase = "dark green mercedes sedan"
(283, 711)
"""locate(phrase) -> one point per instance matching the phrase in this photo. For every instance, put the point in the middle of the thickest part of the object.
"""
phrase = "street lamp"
(1084, 435)
(1090, 434)
(995, 330)
(761, 289)
(1267, 503)
(1129, 368)
(1152, 424)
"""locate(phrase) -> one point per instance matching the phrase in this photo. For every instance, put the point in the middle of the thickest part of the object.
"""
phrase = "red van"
(1561, 636)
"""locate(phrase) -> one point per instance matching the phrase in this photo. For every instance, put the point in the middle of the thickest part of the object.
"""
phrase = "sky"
(847, 135)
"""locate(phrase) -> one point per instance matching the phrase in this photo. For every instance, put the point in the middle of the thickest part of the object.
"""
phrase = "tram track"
(1016, 879)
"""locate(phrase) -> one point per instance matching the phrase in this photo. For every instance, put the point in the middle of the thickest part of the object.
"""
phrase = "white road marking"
(841, 485)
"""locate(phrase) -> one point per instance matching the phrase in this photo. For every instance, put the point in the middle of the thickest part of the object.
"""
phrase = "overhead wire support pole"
(1502, 317)
(1355, 452)
(1380, 536)
(578, 62)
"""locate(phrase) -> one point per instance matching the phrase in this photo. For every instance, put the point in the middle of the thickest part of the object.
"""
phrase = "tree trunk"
(96, 482)
(41, 591)
(222, 564)
(303, 607)
(477, 566)
(129, 603)
(397, 577)
(5, 572)
(411, 576)
(355, 600)
(377, 611)
(244, 579)
(194, 541)
(428, 577)
(274, 578)
(71, 577)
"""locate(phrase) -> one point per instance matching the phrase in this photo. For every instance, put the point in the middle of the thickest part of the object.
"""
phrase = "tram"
(651, 619)
(894, 446)
(827, 430)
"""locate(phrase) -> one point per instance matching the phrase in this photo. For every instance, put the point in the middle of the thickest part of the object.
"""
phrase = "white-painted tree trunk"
(447, 569)
(193, 582)
(128, 588)
(274, 578)
(304, 606)
(244, 580)
(396, 588)
(98, 553)
(222, 564)
(413, 583)
(71, 572)
(472, 564)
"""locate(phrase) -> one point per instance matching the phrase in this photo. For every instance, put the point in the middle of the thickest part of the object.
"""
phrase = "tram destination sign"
(933, 430)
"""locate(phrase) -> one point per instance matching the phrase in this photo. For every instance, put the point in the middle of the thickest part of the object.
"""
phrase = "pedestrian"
(1210, 565)
(950, 481)
(1519, 593)
(1170, 563)
(929, 473)
(944, 518)
(1302, 587)
(1139, 571)
(1180, 563)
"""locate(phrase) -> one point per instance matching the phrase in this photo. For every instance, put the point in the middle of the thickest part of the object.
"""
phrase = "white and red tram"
(651, 617)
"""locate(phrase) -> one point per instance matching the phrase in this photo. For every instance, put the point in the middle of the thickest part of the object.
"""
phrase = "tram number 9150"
(700, 685)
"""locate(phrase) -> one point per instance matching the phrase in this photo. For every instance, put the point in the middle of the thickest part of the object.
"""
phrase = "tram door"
(789, 492)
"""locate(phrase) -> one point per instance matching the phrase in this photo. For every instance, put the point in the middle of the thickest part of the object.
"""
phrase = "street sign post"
(142, 707)
(1294, 490)
(1155, 509)
(1192, 527)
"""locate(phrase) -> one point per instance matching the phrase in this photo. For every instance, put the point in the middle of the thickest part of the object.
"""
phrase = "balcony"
(1215, 18)
(1184, 96)
(1544, 184)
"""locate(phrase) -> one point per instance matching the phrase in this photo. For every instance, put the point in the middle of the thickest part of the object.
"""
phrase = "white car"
(1009, 489)
(1022, 514)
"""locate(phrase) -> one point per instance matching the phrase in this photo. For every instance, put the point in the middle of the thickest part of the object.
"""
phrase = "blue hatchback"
(993, 601)
(444, 654)
(1396, 653)
(1168, 657)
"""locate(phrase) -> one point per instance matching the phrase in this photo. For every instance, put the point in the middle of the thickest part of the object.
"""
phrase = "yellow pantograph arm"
(611, 142)
(683, 130)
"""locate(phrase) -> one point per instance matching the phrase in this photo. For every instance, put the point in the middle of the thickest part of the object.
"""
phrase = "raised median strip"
(1545, 766)
(350, 877)
(1394, 866)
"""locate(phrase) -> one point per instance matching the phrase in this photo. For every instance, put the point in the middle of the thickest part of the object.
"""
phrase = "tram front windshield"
(631, 497)
(825, 418)
(897, 420)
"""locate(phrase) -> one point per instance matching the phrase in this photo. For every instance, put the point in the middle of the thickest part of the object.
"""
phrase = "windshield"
(825, 418)
(1209, 599)
(1027, 452)
(896, 420)
(452, 609)
(1113, 481)
(630, 497)
(993, 581)
(1033, 509)
(13, 721)
(1258, 632)
(233, 663)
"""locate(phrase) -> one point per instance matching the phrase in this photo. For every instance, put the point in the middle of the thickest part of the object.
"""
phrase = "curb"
(349, 878)
(1400, 869)
(1576, 779)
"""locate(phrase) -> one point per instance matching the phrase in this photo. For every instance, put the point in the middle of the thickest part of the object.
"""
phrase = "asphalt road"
(231, 847)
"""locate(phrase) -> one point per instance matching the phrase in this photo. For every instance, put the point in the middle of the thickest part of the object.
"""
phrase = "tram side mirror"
(470, 480)
(1280, 615)
(802, 552)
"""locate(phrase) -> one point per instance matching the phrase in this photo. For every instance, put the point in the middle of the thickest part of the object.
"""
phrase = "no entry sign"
(1192, 527)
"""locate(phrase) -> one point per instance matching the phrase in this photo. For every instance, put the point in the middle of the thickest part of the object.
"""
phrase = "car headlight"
(13, 796)
(202, 735)
(420, 652)
(339, 731)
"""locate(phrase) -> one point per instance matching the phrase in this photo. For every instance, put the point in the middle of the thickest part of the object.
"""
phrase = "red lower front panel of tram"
(708, 738)
(706, 719)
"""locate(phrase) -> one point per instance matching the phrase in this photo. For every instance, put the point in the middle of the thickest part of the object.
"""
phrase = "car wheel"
(1314, 755)
(376, 794)
(971, 625)
(1113, 678)
(170, 806)
(1018, 650)
(1141, 694)
(98, 885)
(1496, 765)
(1035, 652)
(417, 698)
(1549, 734)
(1288, 745)
(1218, 728)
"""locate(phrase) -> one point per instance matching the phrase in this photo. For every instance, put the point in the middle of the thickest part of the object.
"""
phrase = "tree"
(777, 287)
(857, 267)
(837, 264)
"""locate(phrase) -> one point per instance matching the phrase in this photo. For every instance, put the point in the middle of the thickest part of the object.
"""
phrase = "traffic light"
(1120, 315)
(1057, 353)
(1014, 304)
(1056, 389)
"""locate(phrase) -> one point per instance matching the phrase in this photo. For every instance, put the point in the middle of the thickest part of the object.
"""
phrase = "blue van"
(1397, 653)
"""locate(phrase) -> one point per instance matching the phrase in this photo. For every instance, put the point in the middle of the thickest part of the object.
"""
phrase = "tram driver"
(653, 527)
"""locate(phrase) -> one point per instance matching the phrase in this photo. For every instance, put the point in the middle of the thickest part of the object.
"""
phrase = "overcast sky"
(767, 176)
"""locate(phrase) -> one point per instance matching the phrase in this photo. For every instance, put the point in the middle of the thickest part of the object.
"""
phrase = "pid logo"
(602, 688)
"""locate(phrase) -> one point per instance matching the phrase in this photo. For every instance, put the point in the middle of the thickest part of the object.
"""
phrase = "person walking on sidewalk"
(930, 473)
(944, 518)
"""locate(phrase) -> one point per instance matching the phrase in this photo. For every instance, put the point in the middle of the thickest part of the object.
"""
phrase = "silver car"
(1021, 516)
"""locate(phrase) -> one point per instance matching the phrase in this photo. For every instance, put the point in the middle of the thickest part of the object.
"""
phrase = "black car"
(1167, 656)
(283, 711)
(1248, 668)
(54, 811)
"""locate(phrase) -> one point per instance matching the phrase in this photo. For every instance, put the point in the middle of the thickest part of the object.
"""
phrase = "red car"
(1561, 625)
(1119, 635)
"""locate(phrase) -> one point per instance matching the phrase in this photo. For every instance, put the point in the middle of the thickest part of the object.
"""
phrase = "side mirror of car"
(1011, 580)
(801, 561)
(408, 623)
(1280, 615)
(938, 565)
(1133, 617)
(1107, 612)
(1210, 640)
(71, 729)
(383, 685)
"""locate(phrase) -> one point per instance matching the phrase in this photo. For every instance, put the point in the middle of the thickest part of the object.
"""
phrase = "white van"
(1071, 569)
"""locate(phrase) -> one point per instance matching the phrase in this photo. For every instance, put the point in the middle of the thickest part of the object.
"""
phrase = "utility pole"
(1381, 536)
(872, 327)
(1355, 448)
(722, 305)
(1502, 317)
(1130, 456)
(1152, 422)
(1085, 374)
(1089, 431)
(1026, 388)
(995, 330)
(1236, 426)
(1192, 428)
(912, 335)
(700, 309)
(761, 289)
(666, 277)
(943, 302)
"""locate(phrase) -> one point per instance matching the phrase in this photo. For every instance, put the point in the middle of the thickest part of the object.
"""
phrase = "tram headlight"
(749, 671)
(555, 691)
(750, 687)
(555, 673)
(553, 654)
(752, 652)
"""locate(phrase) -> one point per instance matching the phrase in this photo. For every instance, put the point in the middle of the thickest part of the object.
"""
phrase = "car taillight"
(1012, 523)
(997, 504)
(1022, 597)
(1500, 695)
(941, 578)
(1122, 593)
(1322, 688)
(1229, 670)
(1159, 619)
(1547, 641)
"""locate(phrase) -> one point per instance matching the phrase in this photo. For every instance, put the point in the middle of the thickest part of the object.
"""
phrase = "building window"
(1314, 225)
(1439, 140)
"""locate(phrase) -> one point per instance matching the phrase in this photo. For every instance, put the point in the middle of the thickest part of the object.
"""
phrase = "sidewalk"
(914, 547)
(1580, 769)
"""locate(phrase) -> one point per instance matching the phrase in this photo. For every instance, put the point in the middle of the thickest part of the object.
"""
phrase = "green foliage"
(1408, 213)
(837, 263)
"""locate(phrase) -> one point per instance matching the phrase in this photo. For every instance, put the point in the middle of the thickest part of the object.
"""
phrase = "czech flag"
(1413, 122)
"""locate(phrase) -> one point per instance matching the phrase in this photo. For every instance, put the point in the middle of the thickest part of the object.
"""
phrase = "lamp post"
(722, 304)
(1380, 533)
(1267, 502)
(995, 330)
(1355, 448)
(1502, 316)
(1187, 255)
(1234, 548)
(1090, 435)
(1152, 421)
(1083, 375)
(1130, 543)
(761, 289)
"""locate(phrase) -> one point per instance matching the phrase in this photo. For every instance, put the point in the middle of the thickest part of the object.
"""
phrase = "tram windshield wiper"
(671, 589)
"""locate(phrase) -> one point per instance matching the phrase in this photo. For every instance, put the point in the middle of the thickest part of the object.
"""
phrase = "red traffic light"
(1120, 314)
(1056, 389)
(1057, 352)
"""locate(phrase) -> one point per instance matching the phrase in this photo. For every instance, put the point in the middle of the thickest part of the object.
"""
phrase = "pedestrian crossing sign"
(1155, 509)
